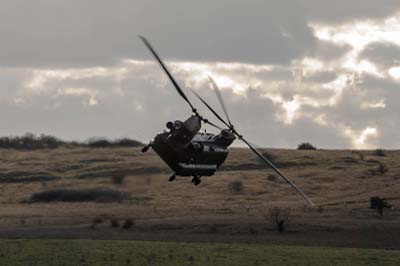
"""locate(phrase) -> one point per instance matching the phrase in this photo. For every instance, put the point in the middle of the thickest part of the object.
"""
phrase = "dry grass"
(338, 180)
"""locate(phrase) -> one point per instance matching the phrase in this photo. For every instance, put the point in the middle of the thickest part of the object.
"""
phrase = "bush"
(30, 141)
(382, 168)
(128, 223)
(105, 143)
(99, 143)
(379, 152)
(236, 186)
(361, 155)
(306, 146)
(252, 231)
(95, 222)
(279, 218)
(118, 179)
(98, 220)
(128, 143)
(379, 204)
(272, 177)
(79, 195)
(269, 156)
(114, 222)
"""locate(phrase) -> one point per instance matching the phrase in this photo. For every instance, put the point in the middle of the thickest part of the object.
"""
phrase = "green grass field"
(117, 252)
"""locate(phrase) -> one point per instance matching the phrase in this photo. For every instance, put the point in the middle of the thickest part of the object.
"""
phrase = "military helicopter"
(189, 152)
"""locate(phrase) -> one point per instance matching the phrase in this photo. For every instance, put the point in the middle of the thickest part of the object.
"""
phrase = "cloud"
(384, 54)
(341, 11)
(359, 139)
(87, 93)
(96, 32)
(290, 71)
(134, 98)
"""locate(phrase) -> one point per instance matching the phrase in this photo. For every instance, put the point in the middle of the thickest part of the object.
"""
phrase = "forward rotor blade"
(219, 96)
(287, 179)
(164, 67)
(211, 124)
(211, 109)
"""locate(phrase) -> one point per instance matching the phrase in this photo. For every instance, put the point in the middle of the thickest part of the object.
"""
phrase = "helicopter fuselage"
(189, 152)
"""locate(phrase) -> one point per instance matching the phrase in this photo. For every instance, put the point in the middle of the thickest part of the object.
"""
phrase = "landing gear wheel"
(197, 181)
(172, 178)
(145, 148)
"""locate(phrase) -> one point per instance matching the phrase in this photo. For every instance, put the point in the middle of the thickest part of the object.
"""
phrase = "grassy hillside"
(113, 252)
(95, 186)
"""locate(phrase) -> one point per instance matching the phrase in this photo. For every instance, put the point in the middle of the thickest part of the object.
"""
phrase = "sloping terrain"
(235, 205)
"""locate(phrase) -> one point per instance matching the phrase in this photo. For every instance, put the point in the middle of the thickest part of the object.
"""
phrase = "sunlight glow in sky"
(360, 139)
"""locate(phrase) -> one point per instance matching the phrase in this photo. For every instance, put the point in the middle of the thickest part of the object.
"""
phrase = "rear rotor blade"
(221, 101)
(287, 179)
(164, 67)
(211, 109)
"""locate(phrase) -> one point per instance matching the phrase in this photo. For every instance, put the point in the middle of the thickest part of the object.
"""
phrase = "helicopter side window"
(178, 124)
(197, 147)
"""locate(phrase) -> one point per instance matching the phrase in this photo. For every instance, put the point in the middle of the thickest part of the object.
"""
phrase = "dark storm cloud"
(56, 33)
(50, 33)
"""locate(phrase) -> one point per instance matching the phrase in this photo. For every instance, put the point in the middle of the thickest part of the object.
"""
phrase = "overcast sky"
(326, 72)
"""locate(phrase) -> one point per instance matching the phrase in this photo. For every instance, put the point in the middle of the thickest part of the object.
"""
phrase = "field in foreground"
(120, 252)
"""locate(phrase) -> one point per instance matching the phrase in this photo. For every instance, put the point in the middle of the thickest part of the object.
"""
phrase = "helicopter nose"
(226, 134)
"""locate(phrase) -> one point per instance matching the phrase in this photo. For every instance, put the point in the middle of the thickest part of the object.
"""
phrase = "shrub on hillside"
(30, 141)
(269, 156)
(272, 177)
(114, 222)
(128, 223)
(118, 179)
(105, 143)
(379, 204)
(236, 186)
(382, 168)
(79, 195)
(125, 142)
(379, 152)
(99, 143)
(306, 146)
(279, 218)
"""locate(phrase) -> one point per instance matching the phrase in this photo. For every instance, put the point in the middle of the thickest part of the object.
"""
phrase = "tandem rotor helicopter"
(189, 152)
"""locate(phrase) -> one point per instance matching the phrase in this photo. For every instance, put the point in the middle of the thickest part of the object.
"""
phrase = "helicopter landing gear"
(172, 178)
(196, 180)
